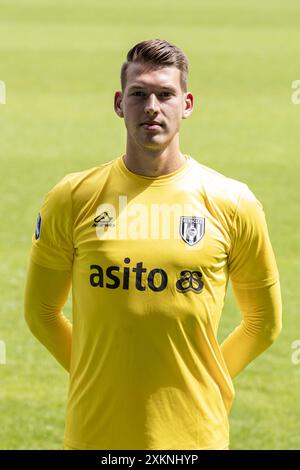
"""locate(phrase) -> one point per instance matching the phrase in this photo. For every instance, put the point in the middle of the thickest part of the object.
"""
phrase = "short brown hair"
(157, 53)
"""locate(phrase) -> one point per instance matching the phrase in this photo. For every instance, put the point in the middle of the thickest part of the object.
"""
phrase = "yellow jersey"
(151, 258)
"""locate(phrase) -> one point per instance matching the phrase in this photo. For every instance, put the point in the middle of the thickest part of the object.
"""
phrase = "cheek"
(175, 108)
(133, 112)
(130, 113)
(174, 114)
(131, 120)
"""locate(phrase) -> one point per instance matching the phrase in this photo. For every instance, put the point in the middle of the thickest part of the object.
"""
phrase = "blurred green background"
(60, 61)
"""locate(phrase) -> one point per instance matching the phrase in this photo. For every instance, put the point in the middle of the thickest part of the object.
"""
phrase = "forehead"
(144, 75)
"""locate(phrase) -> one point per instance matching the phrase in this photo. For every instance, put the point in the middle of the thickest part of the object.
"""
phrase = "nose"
(151, 106)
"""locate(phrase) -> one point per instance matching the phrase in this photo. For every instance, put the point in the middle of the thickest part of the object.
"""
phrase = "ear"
(188, 105)
(118, 103)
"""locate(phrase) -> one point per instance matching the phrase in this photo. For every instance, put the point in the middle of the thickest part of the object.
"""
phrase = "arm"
(261, 325)
(254, 277)
(49, 273)
(46, 292)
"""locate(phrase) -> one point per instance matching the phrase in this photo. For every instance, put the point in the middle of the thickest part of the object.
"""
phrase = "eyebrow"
(145, 85)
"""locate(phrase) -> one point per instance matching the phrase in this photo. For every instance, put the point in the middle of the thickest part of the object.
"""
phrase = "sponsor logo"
(38, 227)
(190, 281)
(103, 220)
(114, 277)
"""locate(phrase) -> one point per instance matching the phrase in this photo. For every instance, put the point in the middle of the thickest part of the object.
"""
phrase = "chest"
(162, 230)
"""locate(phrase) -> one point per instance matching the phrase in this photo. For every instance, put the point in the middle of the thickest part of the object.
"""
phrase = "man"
(150, 240)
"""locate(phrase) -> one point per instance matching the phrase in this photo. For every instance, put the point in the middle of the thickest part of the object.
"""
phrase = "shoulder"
(87, 178)
(219, 186)
(223, 195)
(80, 185)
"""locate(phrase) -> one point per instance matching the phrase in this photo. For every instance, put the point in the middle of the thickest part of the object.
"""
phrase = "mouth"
(151, 125)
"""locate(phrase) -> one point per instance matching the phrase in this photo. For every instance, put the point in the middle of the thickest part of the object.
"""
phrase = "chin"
(154, 144)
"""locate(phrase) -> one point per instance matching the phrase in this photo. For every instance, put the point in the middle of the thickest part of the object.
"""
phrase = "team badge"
(38, 227)
(192, 229)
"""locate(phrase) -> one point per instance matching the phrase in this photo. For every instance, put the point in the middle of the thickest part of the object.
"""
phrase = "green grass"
(60, 61)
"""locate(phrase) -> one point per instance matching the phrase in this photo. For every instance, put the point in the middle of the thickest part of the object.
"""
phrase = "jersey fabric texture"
(150, 260)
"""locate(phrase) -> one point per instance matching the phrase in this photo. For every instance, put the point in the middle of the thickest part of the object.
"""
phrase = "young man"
(150, 241)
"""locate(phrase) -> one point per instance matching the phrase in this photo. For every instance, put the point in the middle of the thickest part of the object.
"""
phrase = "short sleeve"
(52, 242)
(251, 259)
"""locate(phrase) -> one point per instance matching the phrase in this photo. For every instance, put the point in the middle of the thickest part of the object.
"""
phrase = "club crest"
(192, 229)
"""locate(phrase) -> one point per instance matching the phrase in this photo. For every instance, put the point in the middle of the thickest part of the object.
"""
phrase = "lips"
(151, 123)
(152, 126)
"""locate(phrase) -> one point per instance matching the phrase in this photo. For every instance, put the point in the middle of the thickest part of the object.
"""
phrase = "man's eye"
(138, 93)
(165, 94)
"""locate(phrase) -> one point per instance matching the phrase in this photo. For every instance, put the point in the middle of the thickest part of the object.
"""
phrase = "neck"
(154, 162)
